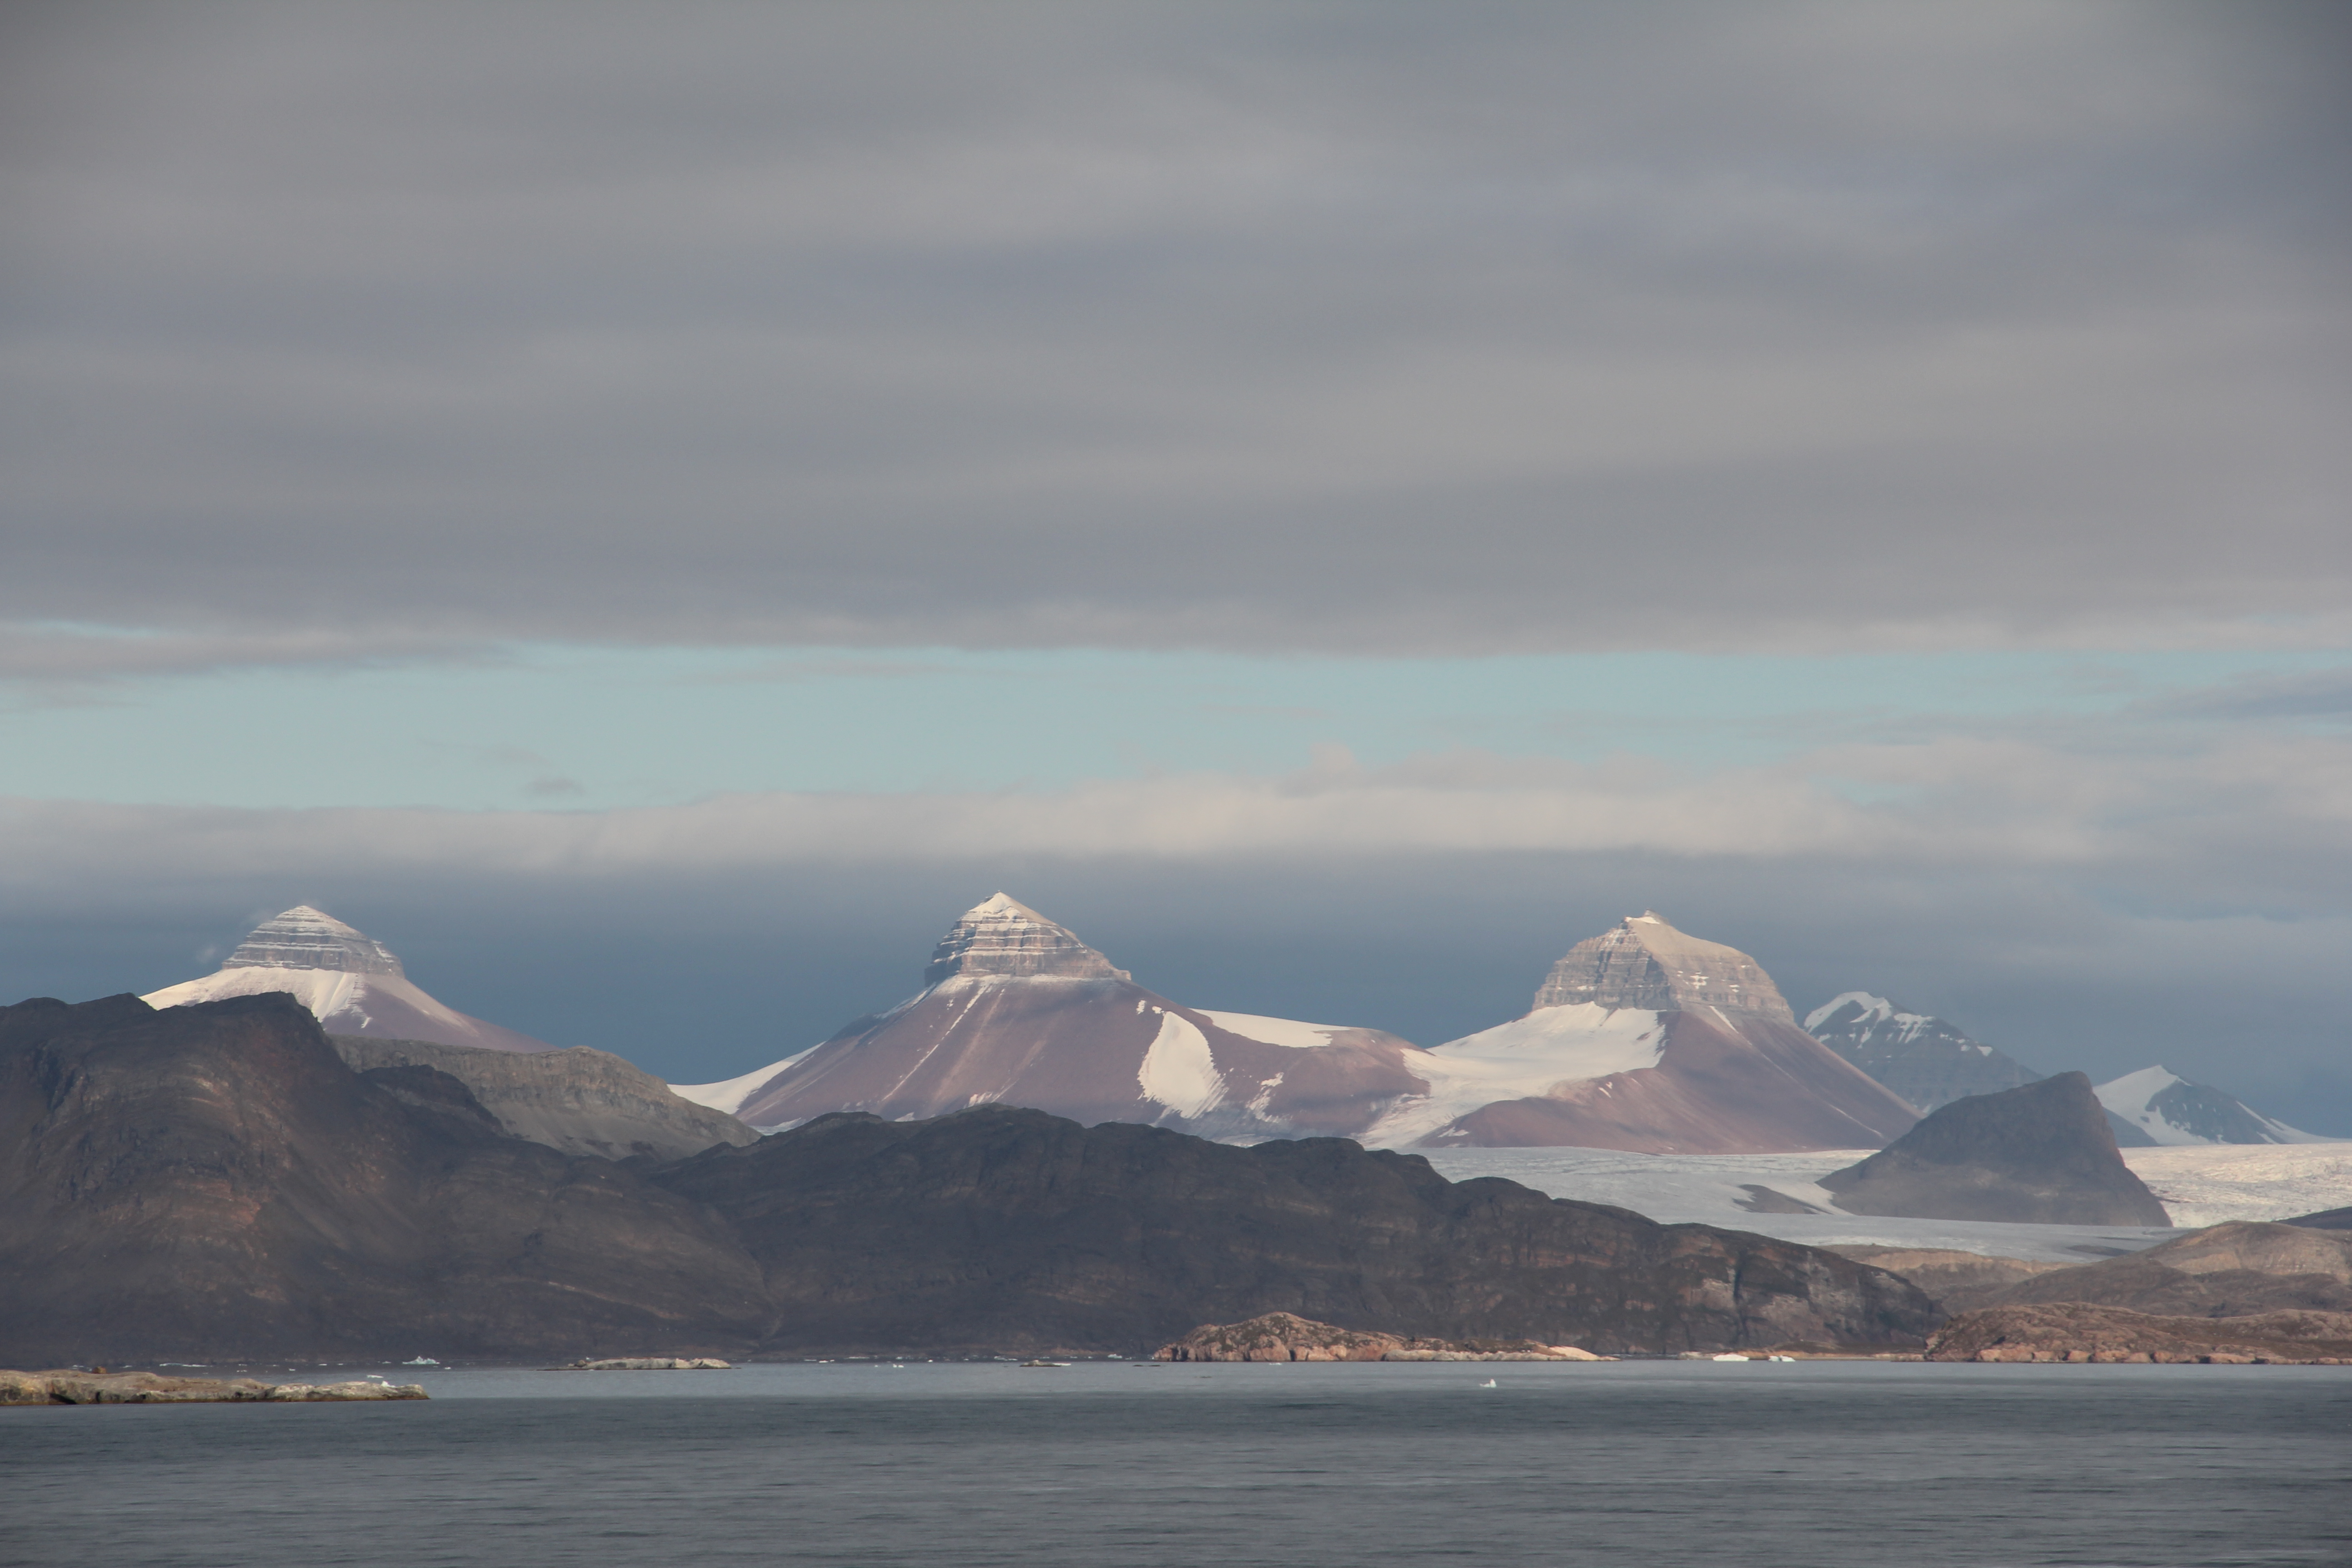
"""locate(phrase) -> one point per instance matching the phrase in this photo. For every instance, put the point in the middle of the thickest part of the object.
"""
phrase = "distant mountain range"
(1931, 1062)
(1641, 1038)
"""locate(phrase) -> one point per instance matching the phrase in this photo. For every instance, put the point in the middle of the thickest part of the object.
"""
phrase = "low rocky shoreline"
(72, 1387)
(1283, 1336)
(2077, 1331)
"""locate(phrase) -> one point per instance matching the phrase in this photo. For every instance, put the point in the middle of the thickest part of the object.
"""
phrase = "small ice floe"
(1489, 1384)
(1789, 1358)
(1730, 1356)
(1045, 1364)
(420, 1360)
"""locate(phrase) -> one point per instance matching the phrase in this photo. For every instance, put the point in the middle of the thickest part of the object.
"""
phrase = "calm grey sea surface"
(1813, 1465)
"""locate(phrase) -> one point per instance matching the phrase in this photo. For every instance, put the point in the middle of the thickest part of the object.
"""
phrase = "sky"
(651, 511)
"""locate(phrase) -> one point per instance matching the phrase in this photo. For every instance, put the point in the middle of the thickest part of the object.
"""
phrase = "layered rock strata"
(1644, 962)
(1004, 936)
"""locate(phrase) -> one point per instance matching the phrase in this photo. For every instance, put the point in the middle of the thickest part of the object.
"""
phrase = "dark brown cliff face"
(1013, 1229)
(213, 1182)
(2040, 1154)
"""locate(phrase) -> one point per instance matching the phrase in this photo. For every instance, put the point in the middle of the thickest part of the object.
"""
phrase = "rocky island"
(74, 1386)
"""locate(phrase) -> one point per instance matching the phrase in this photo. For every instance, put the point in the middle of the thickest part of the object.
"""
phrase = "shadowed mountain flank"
(2040, 1154)
(577, 1102)
(1007, 1227)
(213, 1182)
(216, 1183)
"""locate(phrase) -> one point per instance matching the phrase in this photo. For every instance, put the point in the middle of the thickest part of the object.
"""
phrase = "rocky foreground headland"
(2079, 1332)
(75, 1388)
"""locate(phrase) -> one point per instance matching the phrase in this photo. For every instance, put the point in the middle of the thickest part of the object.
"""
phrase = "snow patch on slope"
(729, 1094)
(1179, 1071)
(1526, 1058)
(1286, 1032)
(338, 998)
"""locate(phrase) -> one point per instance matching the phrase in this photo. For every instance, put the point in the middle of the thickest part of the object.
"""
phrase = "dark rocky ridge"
(2040, 1154)
(1011, 1228)
(214, 1182)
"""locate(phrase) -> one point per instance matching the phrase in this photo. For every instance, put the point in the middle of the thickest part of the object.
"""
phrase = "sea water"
(1807, 1465)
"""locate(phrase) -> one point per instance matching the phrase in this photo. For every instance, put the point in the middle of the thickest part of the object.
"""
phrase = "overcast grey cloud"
(1339, 326)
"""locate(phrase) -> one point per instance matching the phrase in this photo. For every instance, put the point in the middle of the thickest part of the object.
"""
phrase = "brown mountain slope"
(2224, 1272)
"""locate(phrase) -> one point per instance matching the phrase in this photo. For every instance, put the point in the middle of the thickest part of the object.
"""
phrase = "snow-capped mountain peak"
(1925, 1059)
(304, 938)
(1003, 936)
(350, 983)
(1867, 1010)
(2173, 1111)
(1644, 961)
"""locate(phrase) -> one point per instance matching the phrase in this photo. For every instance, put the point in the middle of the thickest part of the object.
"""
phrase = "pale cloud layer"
(1349, 327)
(2259, 821)
(2103, 909)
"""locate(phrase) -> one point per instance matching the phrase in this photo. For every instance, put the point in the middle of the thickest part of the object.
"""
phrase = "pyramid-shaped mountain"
(1016, 1010)
(1646, 1038)
(350, 983)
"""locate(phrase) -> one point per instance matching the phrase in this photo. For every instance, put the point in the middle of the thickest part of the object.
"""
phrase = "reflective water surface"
(1812, 1464)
